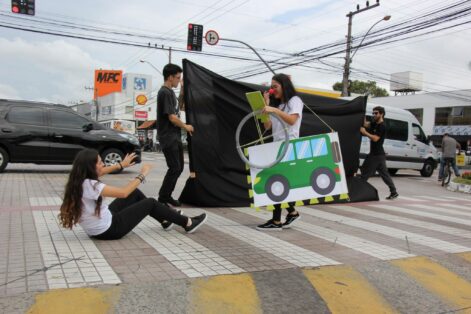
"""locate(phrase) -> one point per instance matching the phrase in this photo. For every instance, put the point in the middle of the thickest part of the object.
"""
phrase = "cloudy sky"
(49, 68)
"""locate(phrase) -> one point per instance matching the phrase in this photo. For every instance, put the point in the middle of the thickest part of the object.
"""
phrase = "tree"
(360, 87)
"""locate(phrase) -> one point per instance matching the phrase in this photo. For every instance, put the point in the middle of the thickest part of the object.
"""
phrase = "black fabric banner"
(215, 105)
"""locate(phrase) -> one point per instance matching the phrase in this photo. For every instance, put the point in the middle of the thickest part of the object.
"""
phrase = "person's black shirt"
(376, 148)
(167, 132)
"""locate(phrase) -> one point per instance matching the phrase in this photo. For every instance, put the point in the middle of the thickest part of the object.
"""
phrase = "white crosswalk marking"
(389, 231)
(371, 248)
(455, 198)
(465, 207)
(423, 214)
(432, 198)
(444, 209)
(263, 241)
(190, 257)
(412, 199)
(407, 221)
(71, 256)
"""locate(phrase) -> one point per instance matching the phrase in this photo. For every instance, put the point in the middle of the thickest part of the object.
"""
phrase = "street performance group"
(84, 193)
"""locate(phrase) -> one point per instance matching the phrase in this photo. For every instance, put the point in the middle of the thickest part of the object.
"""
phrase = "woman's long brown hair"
(84, 167)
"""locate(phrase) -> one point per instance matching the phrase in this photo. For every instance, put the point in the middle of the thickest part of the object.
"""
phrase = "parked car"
(406, 145)
(43, 133)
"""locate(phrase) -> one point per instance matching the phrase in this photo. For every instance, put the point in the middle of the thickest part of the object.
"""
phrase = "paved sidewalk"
(379, 244)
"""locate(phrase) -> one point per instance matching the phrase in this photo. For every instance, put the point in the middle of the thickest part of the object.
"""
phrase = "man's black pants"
(174, 158)
(375, 163)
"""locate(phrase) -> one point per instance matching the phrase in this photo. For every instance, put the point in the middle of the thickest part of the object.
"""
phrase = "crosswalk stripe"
(423, 214)
(389, 231)
(464, 207)
(371, 248)
(282, 249)
(445, 284)
(190, 257)
(454, 198)
(412, 199)
(71, 256)
(432, 198)
(444, 209)
(345, 290)
(407, 221)
(211, 295)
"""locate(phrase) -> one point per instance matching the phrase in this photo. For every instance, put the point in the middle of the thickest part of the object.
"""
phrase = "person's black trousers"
(128, 212)
(277, 211)
(174, 158)
(375, 163)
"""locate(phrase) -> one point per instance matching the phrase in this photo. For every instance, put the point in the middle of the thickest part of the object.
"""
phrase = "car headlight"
(131, 138)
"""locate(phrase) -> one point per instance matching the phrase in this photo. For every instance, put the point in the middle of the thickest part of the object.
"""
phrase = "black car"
(41, 133)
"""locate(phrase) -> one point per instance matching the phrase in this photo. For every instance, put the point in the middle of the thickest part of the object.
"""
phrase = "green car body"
(309, 161)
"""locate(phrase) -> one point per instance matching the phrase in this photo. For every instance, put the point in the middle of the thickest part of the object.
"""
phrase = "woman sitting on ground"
(83, 201)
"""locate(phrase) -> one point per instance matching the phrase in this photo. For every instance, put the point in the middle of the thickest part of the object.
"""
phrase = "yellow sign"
(141, 99)
(460, 160)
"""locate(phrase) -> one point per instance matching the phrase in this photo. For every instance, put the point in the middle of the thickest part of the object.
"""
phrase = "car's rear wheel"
(111, 157)
(323, 181)
(277, 188)
(4, 158)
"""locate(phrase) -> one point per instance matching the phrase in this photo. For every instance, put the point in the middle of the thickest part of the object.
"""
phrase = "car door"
(66, 134)
(26, 134)
(421, 148)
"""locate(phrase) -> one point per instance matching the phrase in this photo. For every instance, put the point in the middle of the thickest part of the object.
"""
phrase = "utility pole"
(95, 100)
(346, 71)
(170, 55)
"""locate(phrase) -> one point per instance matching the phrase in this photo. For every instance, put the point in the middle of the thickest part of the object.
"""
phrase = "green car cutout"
(309, 161)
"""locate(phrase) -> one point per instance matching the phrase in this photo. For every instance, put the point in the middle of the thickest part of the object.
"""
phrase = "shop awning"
(147, 124)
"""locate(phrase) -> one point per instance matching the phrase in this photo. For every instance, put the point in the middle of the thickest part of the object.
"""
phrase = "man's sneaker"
(290, 219)
(196, 222)
(167, 225)
(170, 201)
(392, 196)
(270, 225)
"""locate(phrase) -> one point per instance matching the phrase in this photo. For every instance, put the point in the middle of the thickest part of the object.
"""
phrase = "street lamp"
(349, 56)
(385, 18)
(145, 61)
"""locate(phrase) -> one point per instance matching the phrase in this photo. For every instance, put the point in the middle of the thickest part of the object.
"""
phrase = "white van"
(406, 145)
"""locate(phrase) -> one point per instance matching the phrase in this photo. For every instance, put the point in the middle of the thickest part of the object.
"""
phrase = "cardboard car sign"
(311, 168)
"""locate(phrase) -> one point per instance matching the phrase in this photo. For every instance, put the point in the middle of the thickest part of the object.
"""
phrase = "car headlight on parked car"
(131, 138)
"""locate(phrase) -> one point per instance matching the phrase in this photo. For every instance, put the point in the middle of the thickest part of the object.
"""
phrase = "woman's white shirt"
(295, 106)
(91, 223)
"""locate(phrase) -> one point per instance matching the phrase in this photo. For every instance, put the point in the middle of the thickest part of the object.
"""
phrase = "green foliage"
(464, 179)
(361, 87)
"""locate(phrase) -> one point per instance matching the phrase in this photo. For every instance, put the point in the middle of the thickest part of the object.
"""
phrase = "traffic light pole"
(346, 71)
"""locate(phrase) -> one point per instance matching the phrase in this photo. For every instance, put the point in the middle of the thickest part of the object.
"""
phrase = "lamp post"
(145, 61)
(348, 56)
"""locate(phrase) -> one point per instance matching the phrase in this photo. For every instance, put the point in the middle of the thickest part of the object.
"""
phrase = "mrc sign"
(107, 82)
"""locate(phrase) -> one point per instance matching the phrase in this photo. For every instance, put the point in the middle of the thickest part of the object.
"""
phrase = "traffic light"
(22, 6)
(195, 37)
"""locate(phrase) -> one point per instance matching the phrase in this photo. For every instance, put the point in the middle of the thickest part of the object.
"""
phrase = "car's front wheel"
(111, 157)
(4, 158)
(428, 168)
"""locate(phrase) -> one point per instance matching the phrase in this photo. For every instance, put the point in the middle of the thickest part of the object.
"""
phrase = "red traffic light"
(15, 9)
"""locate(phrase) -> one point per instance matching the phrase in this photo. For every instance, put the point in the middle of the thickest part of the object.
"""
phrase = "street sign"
(212, 37)
(195, 37)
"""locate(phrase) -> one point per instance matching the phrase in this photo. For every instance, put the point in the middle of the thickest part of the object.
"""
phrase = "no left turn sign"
(212, 37)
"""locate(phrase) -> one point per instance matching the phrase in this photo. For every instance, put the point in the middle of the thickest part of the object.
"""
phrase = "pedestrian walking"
(169, 127)
(84, 201)
(376, 159)
(287, 105)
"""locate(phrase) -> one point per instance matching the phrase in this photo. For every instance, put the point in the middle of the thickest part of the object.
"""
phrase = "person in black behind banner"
(376, 159)
(168, 132)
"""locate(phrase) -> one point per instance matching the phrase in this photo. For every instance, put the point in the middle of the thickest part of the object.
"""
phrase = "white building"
(439, 113)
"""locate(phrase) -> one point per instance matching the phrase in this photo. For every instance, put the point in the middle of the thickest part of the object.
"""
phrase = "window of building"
(458, 115)
(418, 113)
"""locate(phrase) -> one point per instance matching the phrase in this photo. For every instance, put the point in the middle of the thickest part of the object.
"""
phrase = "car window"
(303, 150)
(418, 133)
(26, 115)
(64, 119)
(396, 130)
(319, 147)
(289, 153)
